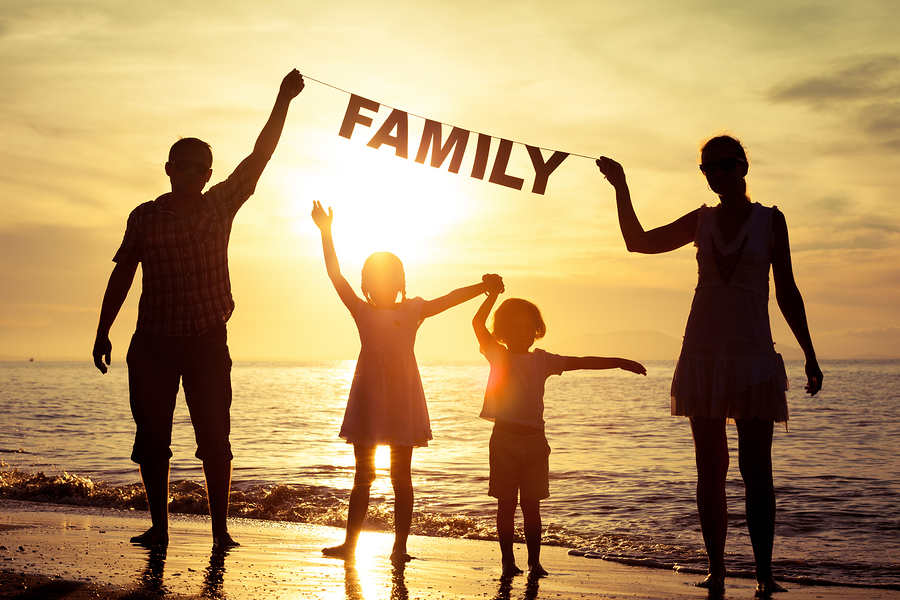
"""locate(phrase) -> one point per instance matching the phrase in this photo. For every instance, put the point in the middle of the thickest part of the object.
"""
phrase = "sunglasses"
(726, 164)
(183, 166)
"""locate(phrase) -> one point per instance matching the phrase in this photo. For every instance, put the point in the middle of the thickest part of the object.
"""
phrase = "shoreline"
(51, 551)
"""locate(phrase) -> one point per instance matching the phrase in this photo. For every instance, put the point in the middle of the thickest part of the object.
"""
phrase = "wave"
(323, 505)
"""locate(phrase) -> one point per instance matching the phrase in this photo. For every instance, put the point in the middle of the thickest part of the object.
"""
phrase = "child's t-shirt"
(515, 390)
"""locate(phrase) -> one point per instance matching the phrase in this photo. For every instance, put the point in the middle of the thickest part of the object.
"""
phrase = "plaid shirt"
(185, 289)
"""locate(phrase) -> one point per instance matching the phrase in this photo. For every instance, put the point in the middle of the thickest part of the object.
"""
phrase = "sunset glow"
(96, 92)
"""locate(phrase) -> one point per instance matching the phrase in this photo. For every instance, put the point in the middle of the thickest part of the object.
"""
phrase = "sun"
(380, 203)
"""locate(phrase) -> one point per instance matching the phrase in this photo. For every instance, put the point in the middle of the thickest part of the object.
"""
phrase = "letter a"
(399, 142)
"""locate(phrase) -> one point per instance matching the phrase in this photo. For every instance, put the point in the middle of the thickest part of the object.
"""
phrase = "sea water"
(622, 469)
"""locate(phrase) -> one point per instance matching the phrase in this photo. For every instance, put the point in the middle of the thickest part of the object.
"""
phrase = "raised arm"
(479, 323)
(575, 363)
(787, 294)
(662, 239)
(268, 138)
(489, 282)
(116, 291)
(323, 221)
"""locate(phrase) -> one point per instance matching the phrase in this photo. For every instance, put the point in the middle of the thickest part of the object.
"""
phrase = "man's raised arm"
(268, 138)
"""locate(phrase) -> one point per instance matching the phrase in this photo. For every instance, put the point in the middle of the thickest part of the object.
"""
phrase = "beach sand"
(50, 552)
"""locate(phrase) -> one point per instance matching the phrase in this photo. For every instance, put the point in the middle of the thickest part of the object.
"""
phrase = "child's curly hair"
(511, 306)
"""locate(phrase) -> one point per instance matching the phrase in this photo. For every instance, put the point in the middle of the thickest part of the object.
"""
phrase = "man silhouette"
(181, 240)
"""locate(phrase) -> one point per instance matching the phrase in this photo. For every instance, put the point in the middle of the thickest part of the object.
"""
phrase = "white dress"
(728, 366)
(387, 403)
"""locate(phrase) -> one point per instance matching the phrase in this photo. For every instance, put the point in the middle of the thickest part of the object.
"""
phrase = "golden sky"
(95, 92)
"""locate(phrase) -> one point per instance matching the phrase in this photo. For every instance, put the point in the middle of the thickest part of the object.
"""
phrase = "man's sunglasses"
(726, 164)
(200, 168)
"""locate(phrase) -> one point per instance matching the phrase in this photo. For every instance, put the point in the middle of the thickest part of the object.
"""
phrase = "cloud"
(864, 79)
(863, 88)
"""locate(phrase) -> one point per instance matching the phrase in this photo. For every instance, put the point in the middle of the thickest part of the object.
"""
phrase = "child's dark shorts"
(520, 465)
(157, 367)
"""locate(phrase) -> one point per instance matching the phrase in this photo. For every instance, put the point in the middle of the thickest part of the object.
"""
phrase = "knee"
(757, 475)
(401, 481)
(712, 467)
(364, 477)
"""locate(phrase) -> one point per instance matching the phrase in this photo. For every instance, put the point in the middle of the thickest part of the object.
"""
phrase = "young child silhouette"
(387, 403)
(514, 401)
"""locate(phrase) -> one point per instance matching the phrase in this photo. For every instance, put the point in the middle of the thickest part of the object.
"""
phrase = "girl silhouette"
(387, 403)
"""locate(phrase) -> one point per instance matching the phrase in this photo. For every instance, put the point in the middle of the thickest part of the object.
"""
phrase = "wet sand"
(49, 552)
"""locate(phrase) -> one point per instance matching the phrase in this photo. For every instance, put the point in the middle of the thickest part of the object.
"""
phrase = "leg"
(207, 390)
(155, 476)
(506, 532)
(755, 461)
(401, 480)
(531, 512)
(153, 380)
(711, 453)
(218, 486)
(359, 502)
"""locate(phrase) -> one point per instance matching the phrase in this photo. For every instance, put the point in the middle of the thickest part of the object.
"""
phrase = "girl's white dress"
(387, 403)
(728, 366)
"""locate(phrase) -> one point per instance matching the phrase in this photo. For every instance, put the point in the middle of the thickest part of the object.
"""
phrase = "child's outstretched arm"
(575, 363)
(489, 282)
(344, 289)
(479, 323)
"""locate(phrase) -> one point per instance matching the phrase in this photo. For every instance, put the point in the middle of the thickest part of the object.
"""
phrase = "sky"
(95, 92)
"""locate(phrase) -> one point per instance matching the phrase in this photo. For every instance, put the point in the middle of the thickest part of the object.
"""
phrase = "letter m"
(431, 139)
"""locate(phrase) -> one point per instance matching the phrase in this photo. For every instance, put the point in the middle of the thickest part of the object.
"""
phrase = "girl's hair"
(386, 268)
(511, 306)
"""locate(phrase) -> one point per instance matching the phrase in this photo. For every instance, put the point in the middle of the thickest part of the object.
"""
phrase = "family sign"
(394, 132)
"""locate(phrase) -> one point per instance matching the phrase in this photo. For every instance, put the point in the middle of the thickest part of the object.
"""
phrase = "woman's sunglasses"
(726, 164)
(183, 166)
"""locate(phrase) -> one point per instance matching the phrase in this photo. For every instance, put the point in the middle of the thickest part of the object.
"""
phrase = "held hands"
(612, 171)
(321, 218)
(493, 284)
(291, 85)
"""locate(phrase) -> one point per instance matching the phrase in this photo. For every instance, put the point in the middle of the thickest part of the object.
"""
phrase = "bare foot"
(399, 559)
(713, 583)
(152, 537)
(511, 570)
(223, 541)
(344, 552)
(535, 571)
(768, 587)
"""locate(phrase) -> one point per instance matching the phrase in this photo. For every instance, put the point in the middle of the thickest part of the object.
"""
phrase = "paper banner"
(394, 132)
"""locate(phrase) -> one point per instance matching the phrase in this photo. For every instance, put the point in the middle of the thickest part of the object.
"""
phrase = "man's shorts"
(156, 366)
(520, 466)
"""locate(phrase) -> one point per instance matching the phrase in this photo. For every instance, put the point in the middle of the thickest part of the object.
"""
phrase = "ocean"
(622, 469)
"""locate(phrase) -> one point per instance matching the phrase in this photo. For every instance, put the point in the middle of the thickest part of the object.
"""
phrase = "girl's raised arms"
(344, 289)
(479, 323)
(662, 239)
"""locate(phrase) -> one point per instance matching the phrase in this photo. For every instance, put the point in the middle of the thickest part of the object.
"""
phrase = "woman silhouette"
(728, 368)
